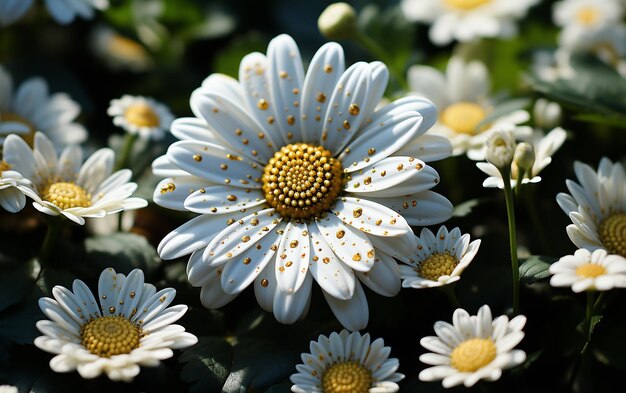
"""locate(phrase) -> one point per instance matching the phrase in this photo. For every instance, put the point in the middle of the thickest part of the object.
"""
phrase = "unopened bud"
(524, 157)
(338, 22)
(500, 149)
(547, 114)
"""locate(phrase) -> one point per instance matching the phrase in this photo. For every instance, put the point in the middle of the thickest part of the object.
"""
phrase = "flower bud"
(338, 22)
(500, 149)
(547, 113)
(524, 157)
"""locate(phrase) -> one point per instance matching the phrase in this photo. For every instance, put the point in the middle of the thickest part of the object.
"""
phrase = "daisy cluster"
(303, 200)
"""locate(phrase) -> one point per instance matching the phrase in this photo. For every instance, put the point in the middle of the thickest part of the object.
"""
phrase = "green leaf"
(122, 251)
(535, 268)
(16, 280)
(207, 364)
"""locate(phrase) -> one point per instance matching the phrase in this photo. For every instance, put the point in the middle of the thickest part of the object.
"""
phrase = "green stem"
(380, 53)
(122, 159)
(510, 212)
(451, 294)
(589, 312)
(49, 242)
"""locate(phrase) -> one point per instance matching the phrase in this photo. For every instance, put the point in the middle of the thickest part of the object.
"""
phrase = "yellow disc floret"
(437, 265)
(590, 270)
(463, 117)
(466, 4)
(473, 354)
(347, 377)
(142, 115)
(110, 335)
(612, 231)
(302, 180)
(588, 16)
(66, 195)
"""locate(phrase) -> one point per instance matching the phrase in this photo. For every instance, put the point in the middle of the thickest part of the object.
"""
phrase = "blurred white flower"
(62, 11)
(12, 188)
(586, 14)
(589, 271)
(338, 21)
(141, 115)
(608, 43)
(119, 52)
(546, 114)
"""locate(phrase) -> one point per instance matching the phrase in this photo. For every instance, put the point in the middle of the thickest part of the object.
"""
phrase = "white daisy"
(12, 10)
(467, 20)
(347, 362)
(597, 207)
(589, 271)
(608, 43)
(31, 108)
(12, 188)
(131, 327)
(118, 51)
(587, 14)
(62, 11)
(141, 115)
(544, 146)
(297, 178)
(472, 348)
(440, 259)
(461, 96)
(63, 185)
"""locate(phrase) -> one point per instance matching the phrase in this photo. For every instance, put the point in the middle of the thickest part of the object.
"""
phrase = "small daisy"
(347, 362)
(587, 14)
(296, 177)
(12, 189)
(544, 146)
(141, 115)
(589, 271)
(118, 51)
(597, 207)
(31, 108)
(472, 348)
(461, 97)
(467, 20)
(440, 259)
(64, 185)
(131, 327)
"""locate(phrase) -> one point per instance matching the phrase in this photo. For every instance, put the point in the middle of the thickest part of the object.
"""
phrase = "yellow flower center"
(66, 195)
(590, 270)
(302, 180)
(15, 118)
(347, 377)
(612, 231)
(466, 4)
(142, 115)
(125, 47)
(473, 354)
(588, 15)
(463, 117)
(437, 265)
(110, 335)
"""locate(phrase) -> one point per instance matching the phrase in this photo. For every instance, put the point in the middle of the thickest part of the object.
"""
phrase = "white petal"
(289, 307)
(422, 209)
(97, 168)
(384, 277)
(353, 314)
(370, 217)
(391, 172)
(351, 245)
(427, 148)
(292, 259)
(222, 199)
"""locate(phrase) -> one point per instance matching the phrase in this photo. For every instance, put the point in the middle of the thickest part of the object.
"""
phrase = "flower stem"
(591, 306)
(450, 293)
(510, 212)
(129, 142)
(49, 242)
(379, 52)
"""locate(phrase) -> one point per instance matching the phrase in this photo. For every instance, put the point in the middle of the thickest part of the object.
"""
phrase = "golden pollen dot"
(10, 117)
(302, 180)
(612, 231)
(110, 335)
(347, 377)
(465, 4)
(66, 195)
(463, 117)
(354, 109)
(473, 354)
(262, 104)
(588, 15)
(141, 115)
(437, 265)
(590, 270)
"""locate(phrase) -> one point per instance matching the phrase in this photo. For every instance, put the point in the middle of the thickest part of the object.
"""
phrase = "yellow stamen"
(347, 377)
(473, 354)
(437, 265)
(302, 180)
(66, 195)
(588, 15)
(142, 115)
(110, 335)
(466, 4)
(612, 231)
(590, 270)
(463, 117)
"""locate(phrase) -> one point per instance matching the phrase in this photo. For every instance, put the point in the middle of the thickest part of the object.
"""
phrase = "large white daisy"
(597, 207)
(462, 97)
(467, 20)
(297, 178)
(141, 115)
(589, 271)
(587, 14)
(472, 348)
(440, 258)
(12, 188)
(127, 326)
(544, 146)
(31, 108)
(347, 362)
(64, 185)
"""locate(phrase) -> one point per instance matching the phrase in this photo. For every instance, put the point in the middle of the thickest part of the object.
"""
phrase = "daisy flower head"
(472, 348)
(597, 207)
(544, 147)
(587, 14)
(119, 52)
(347, 362)
(32, 108)
(128, 325)
(440, 258)
(467, 20)
(64, 185)
(461, 96)
(12, 189)
(589, 271)
(297, 178)
(141, 115)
